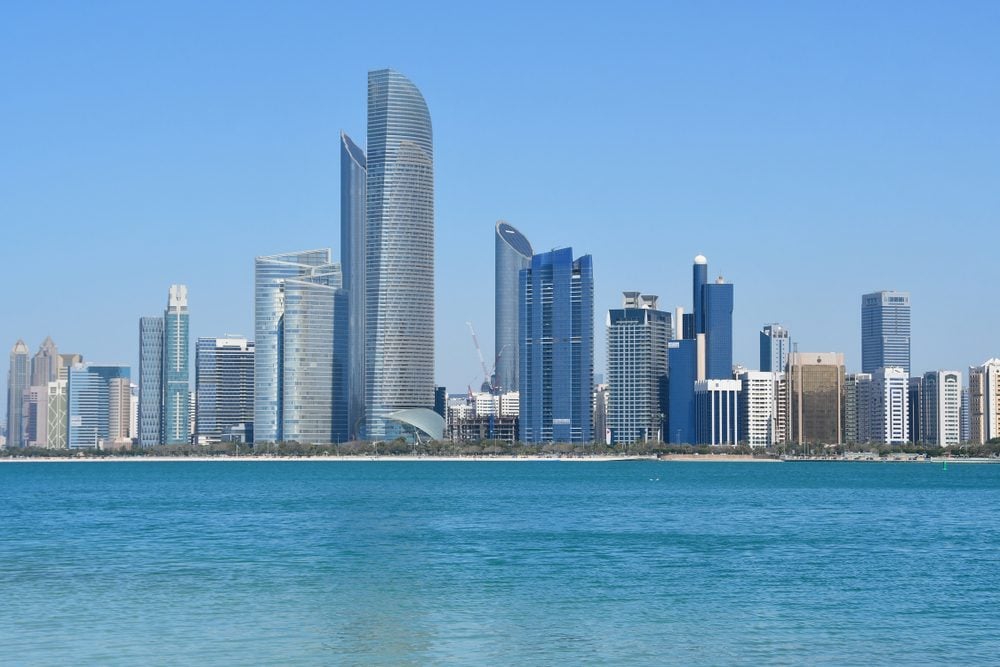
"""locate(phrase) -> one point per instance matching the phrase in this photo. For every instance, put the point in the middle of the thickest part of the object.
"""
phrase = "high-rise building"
(984, 402)
(760, 414)
(176, 425)
(637, 369)
(353, 237)
(57, 419)
(717, 412)
(45, 364)
(68, 360)
(891, 406)
(683, 362)
(223, 386)
(699, 278)
(556, 348)
(18, 376)
(915, 414)
(717, 306)
(513, 254)
(300, 357)
(885, 331)
(775, 345)
(150, 380)
(965, 422)
(941, 408)
(34, 421)
(814, 387)
(119, 412)
(857, 408)
(399, 261)
(89, 397)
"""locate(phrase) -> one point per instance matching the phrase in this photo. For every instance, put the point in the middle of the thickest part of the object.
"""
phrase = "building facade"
(775, 344)
(353, 238)
(18, 377)
(941, 408)
(984, 402)
(682, 355)
(760, 414)
(857, 408)
(556, 348)
(717, 304)
(89, 397)
(399, 262)
(150, 380)
(176, 378)
(815, 384)
(512, 255)
(891, 406)
(717, 412)
(45, 364)
(637, 337)
(885, 331)
(223, 386)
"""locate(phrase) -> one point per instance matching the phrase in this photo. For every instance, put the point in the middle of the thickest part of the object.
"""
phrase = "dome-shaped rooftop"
(700, 259)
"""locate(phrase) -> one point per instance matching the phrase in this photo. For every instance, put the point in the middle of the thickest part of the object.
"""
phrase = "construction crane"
(482, 362)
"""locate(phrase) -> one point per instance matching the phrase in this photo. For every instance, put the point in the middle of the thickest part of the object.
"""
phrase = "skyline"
(892, 135)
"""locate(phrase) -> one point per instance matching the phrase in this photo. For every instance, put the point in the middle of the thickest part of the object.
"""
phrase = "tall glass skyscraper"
(699, 278)
(399, 266)
(885, 331)
(353, 223)
(150, 380)
(557, 348)
(45, 364)
(513, 253)
(775, 345)
(17, 382)
(717, 309)
(176, 380)
(301, 348)
(223, 385)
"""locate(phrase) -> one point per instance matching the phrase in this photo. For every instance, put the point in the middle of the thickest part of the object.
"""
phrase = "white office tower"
(941, 408)
(510, 404)
(890, 414)
(487, 404)
(759, 403)
(984, 402)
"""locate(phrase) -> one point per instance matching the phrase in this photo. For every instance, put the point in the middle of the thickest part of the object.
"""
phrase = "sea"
(499, 563)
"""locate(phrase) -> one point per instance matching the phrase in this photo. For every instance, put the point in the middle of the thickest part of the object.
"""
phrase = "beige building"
(814, 391)
(984, 402)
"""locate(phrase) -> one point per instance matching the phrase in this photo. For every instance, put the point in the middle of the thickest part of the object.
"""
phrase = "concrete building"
(857, 408)
(150, 380)
(891, 406)
(34, 421)
(885, 331)
(984, 402)
(45, 364)
(119, 413)
(56, 414)
(637, 336)
(815, 382)
(761, 417)
(941, 408)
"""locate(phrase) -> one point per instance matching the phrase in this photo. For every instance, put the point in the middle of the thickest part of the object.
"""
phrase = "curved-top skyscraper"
(513, 253)
(399, 254)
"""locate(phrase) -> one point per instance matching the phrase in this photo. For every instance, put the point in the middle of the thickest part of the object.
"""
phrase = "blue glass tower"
(150, 377)
(699, 278)
(223, 386)
(885, 331)
(513, 253)
(556, 348)
(89, 403)
(717, 309)
(176, 419)
(353, 225)
(775, 345)
(18, 376)
(399, 256)
(683, 361)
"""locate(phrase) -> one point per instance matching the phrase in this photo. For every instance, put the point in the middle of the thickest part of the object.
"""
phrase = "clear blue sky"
(813, 151)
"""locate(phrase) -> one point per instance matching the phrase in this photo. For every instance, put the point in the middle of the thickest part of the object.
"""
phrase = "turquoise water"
(304, 563)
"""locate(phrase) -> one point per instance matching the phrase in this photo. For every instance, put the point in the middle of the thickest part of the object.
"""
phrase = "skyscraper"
(176, 369)
(856, 410)
(815, 388)
(775, 345)
(556, 348)
(223, 386)
(759, 402)
(680, 406)
(699, 278)
(941, 408)
(984, 402)
(45, 364)
(885, 331)
(717, 412)
(399, 256)
(300, 355)
(890, 406)
(17, 382)
(637, 369)
(513, 254)
(90, 391)
(717, 316)
(150, 380)
(353, 224)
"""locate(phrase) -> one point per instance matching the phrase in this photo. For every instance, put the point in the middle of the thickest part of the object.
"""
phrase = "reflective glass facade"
(513, 253)
(556, 348)
(885, 331)
(175, 422)
(717, 304)
(399, 254)
(775, 345)
(353, 223)
(150, 376)
(683, 357)
(17, 382)
(223, 385)
(89, 403)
